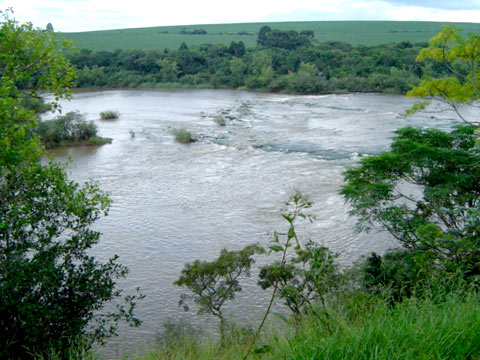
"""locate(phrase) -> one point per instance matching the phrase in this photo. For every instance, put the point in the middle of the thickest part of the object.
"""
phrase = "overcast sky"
(85, 15)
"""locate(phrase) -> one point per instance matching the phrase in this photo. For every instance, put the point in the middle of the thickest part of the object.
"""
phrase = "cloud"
(86, 15)
(439, 4)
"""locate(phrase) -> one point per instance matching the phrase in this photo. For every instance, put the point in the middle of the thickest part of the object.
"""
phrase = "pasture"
(171, 37)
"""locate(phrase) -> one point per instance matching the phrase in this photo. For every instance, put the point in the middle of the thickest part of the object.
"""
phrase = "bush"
(219, 120)
(183, 136)
(109, 115)
(69, 128)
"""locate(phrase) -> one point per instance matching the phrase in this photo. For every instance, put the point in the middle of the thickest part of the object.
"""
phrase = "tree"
(168, 70)
(461, 58)
(49, 27)
(214, 283)
(51, 288)
(425, 191)
(262, 35)
(237, 49)
(304, 280)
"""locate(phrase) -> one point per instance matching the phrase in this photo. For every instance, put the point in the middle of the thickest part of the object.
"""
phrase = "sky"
(87, 15)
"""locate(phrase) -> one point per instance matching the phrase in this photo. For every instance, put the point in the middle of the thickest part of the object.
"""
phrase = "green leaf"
(276, 248)
(288, 218)
(291, 233)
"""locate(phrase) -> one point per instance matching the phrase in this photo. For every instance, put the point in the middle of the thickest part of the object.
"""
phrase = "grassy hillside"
(170, 37)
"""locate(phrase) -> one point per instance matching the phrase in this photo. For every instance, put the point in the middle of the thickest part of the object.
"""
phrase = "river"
(173, 203)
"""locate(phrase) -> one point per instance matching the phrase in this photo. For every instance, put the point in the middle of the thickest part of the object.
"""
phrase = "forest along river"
(174, 203)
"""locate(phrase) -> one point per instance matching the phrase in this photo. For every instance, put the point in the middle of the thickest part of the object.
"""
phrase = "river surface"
(173, 203)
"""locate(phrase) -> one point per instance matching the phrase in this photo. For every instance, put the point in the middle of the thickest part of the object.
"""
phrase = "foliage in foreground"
(425, 191)
(51, 289)
(363, 327)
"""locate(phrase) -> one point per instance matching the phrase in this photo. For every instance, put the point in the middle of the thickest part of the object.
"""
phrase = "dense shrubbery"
(70, 128)
(183, 136)
(109, 115)
(284, 61)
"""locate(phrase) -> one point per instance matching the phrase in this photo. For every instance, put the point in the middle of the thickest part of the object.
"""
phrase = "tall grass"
(362, 328)
(414, 329)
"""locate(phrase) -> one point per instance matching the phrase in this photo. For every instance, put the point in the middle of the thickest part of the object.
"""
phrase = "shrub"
(183, 136)
(219, 120)
(69, 128)
(109, 115)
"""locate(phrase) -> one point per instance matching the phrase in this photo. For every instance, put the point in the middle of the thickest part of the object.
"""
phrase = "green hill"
(170, 37)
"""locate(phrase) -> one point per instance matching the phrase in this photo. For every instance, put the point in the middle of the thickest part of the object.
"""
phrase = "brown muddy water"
(173, 203)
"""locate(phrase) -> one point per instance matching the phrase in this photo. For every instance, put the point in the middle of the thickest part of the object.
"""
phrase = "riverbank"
(442, 326)
(179, 86)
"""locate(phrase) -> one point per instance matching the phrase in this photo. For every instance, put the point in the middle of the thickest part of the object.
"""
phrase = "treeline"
(283, 61)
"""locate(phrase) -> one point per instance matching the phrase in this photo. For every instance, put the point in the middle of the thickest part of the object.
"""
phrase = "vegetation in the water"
(219, 120)
(109, 115)
(69, 129)
(183, 136)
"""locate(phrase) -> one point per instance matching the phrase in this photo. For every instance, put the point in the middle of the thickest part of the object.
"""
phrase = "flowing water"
(173, 203)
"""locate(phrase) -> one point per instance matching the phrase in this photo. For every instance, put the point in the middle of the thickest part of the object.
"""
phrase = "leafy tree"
(289, 40)
(304, 280)
(461, 58)
(168, 70)
(237, 71)
(237, 49)
(426, 190)
(214, 283)
(50, 287)
(262, 35)
(308, 33)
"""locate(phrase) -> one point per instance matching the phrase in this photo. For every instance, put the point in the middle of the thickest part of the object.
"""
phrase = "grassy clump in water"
(109, 115)
(183, 136)
(219, 120)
